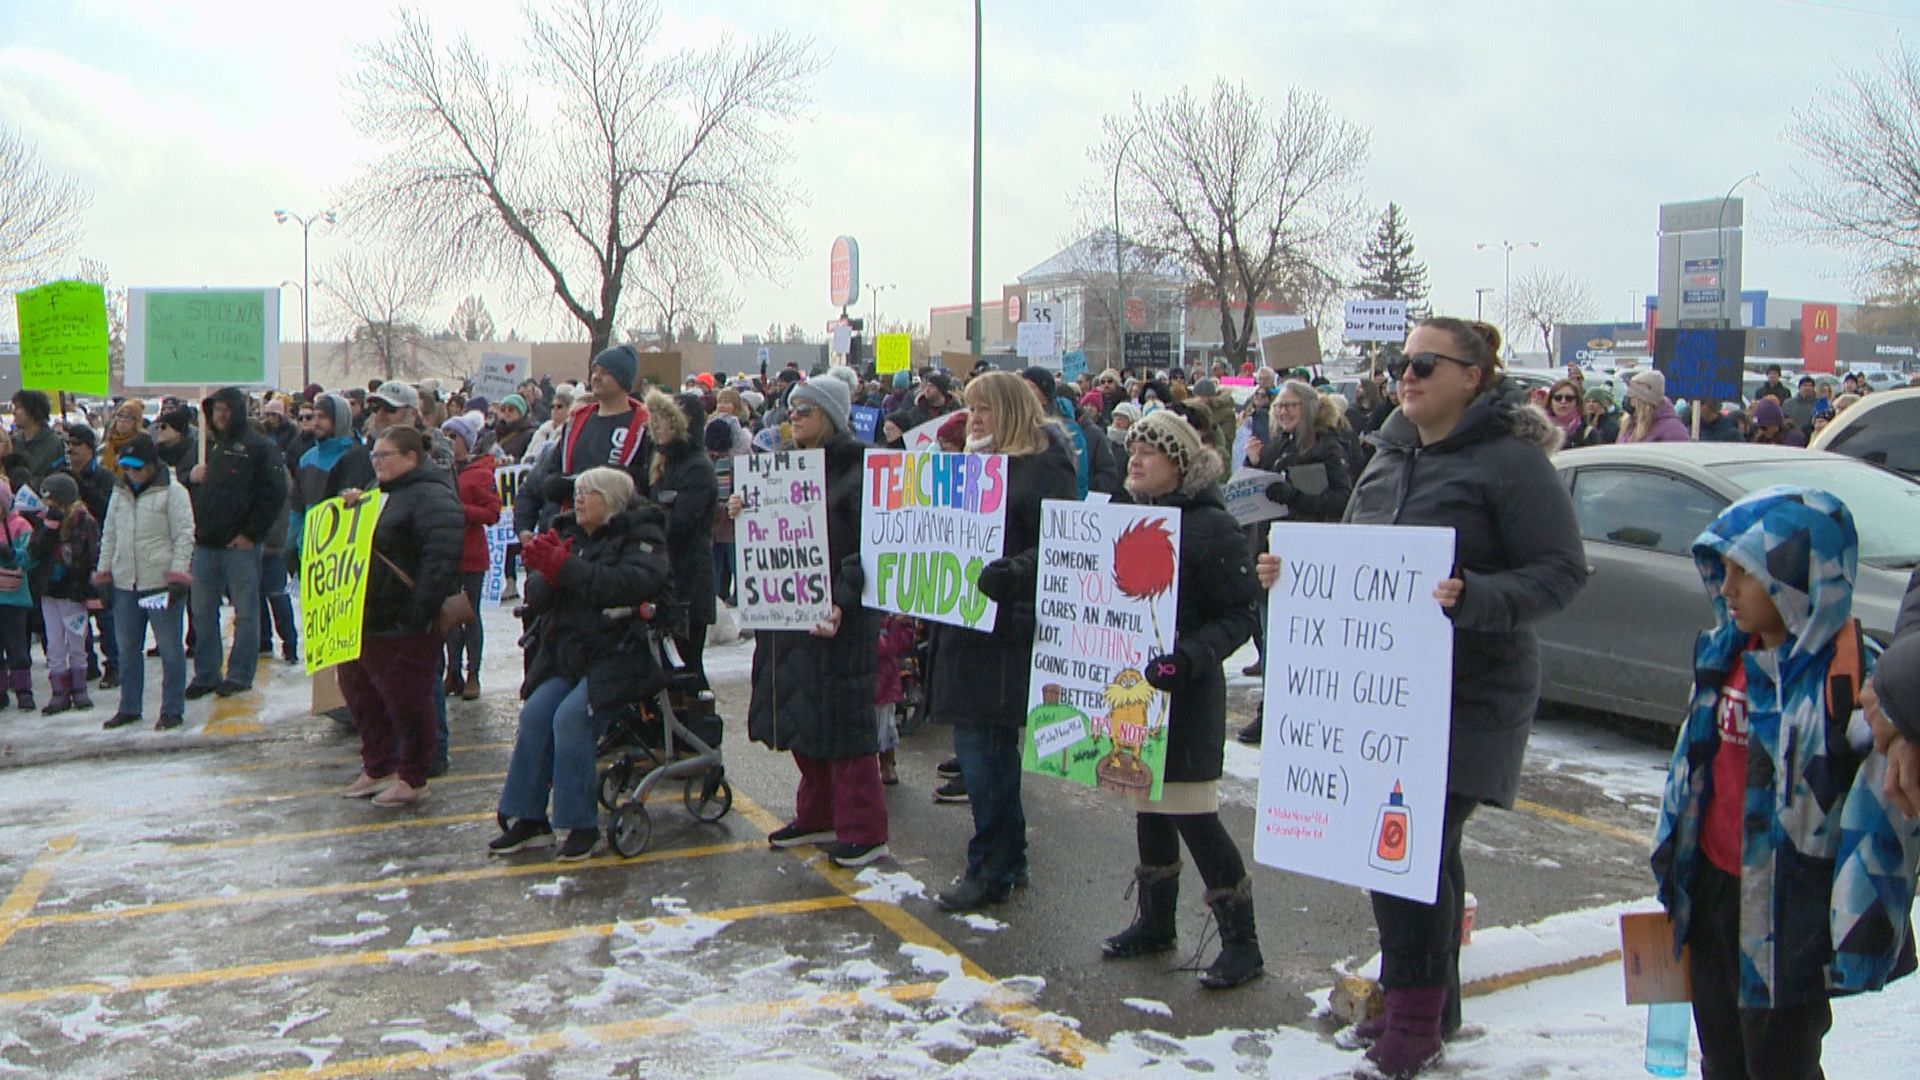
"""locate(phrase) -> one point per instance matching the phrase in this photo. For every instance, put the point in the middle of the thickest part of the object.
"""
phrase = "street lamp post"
(1508, 246)
(873, 301)
(1720, 243)
(1119, 279)
(307, 222)
(979, 332)
(1479, 302)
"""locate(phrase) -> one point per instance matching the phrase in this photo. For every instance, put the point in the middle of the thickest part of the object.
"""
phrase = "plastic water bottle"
(1669, 1025)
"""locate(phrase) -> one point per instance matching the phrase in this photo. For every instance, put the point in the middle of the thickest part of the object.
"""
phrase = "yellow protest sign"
(892, 352)
(63, 337)
(336, 550)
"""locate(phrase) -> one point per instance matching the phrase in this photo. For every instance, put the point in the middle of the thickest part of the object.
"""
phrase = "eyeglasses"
(1566, 397)
(382, 455)
(382, 407)
(1284, 404)
(1421, 364)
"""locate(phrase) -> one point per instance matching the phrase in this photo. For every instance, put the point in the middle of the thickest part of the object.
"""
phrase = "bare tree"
(641, 143)
(39, 214)
(471, 320)
(95, 270)
(1542, 299)
(1249, 201)
(681, 288)
(380, 306)
(1859, 189)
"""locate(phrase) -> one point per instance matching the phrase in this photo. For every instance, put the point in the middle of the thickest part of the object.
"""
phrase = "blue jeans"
(233, 574)
(130, 621)
(554, 751)
(276, 606)
(990, 767)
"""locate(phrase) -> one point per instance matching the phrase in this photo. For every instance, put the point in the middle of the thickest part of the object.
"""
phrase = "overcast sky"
(1566, 123)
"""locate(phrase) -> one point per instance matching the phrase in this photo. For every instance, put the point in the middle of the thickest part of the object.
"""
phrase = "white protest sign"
(498, 375)
(927, 436)
(1036, 339)
(928, 522)
(1359, 693)
(500, 535)
(1246, 495)
(780, 540)
(1106, 597)
(1274, 325)
(842, 340)
(1376, 320)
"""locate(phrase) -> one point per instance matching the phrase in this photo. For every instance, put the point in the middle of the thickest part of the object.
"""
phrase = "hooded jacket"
(480, 507)
(245, 488)
(331, 466)
(147, 534)
(1897, 680)
(1827, 867)
(1517, 548)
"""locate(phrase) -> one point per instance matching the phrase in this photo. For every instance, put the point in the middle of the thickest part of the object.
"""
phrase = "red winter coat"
(897, 638)
(480, 501)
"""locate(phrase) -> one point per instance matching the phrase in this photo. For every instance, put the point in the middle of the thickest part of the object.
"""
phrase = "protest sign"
(1700, 364)
(63, 337)
(1246, 495)
(203, 337)
(1293, 349)
(928, 522)
(1267, 326)
(1376, 320)
(1073, 365)
(1106, 600)
(1035, 340)
(499, 374)
(336, 549)
(780, 540)
(1359, 691)
(500, 535)
(892, 352)
(865, 422)
(927, 436)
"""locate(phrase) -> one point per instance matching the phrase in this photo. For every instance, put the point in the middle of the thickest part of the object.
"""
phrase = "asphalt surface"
(220, 911)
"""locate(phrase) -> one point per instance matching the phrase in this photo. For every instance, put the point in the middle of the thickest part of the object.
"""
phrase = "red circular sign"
(1136, 311)
(1013, 308)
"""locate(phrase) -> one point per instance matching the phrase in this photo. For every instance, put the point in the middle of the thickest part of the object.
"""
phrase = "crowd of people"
(628, 502)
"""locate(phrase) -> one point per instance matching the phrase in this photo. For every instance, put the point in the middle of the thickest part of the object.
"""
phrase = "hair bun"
(1489, 334)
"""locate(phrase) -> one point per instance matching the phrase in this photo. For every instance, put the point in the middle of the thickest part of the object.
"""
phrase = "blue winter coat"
(1827, 867)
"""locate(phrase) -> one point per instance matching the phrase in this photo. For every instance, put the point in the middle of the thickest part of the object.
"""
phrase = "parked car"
(1883, 428)
(1625, 644)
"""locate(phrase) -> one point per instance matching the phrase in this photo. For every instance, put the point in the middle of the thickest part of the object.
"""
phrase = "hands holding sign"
(1266, 567)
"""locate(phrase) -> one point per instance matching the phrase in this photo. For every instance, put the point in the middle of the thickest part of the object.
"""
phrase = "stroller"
(674, 734)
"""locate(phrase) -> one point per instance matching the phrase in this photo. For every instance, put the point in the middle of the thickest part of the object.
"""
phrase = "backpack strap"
(1844, 674)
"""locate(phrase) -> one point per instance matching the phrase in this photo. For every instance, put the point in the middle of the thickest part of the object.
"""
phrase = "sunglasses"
(1566, 397)
(801, 412)
(1421, 364)
(383, 407)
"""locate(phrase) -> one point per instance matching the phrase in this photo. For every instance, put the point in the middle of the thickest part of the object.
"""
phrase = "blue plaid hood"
(1827, 867)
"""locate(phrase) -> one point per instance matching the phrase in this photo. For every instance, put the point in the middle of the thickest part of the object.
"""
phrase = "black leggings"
(469, 639)
(1420, 943)
(1212, 847)
(14, 620)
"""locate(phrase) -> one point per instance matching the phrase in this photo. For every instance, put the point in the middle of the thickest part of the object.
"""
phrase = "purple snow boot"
(62, 698)
(1411, 1041)
(21, 682)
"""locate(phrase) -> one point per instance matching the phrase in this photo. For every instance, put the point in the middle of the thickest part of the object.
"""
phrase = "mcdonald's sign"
(1819, 337)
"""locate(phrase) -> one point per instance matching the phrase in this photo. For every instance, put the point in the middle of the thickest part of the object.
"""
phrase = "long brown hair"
(1475, 342)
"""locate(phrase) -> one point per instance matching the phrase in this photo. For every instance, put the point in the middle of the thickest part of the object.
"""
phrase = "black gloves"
(1169, 672)
(998, 580)
(1282, 492)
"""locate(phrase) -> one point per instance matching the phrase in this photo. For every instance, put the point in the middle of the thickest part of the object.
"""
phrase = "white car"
(1883, 428)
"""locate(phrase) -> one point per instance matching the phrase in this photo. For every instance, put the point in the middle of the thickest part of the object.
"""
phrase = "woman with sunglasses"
(1463, 453)
(1563, 408)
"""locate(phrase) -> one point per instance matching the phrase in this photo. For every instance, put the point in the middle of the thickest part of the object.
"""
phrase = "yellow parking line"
(311, 793)
(1644, 839)
(374, 957)
(1509, 980)
(234, 716)
(348, 762)
(346, 888)
(26, 892)
(1057, 1039)
(619, 1031)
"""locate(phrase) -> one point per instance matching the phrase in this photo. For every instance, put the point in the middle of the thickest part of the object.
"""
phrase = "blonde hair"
(613, 486)
(1318, 412)
(1018, 425)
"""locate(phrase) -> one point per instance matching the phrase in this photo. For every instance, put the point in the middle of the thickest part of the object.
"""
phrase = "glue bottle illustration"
(1390, 835)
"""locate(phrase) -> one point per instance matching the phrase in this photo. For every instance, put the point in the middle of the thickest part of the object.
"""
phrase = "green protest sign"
(202, 337)
(63, 337)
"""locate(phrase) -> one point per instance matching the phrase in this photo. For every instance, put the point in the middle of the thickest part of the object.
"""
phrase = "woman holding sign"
(1462, 453)
(977, 680)
(1169, 464)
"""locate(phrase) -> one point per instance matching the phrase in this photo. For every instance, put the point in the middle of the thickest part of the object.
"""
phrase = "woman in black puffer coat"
(1309, 436)
(976, 680)
(1464, 452)
(391, 689)
(687, 490)
(610, 553)
(813, 690)
(1170, 465)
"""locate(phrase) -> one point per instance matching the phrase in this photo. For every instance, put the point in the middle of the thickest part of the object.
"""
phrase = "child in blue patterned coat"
(1777, 856)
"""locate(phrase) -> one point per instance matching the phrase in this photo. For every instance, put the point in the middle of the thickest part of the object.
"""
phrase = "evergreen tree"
(1388, 270)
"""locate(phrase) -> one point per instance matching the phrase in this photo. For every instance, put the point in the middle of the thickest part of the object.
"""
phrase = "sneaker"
(857, 854)
(971, 894)
(400, 793)
(120, 720)
(792, 835)
(949, 768)
(579, 845)
(229, 688)
(169, 721)
(521, 835)
(953, 791)
(196, 691)
(366, 787)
